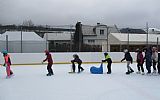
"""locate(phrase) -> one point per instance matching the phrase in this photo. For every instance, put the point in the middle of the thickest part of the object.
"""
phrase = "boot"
(128, 72)
(138, 72)
(49, 74)
(143, 73)
(131, 70)
(108, 72)
(154, 72)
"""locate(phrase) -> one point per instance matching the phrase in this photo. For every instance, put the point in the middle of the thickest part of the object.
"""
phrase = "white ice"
(31, 83)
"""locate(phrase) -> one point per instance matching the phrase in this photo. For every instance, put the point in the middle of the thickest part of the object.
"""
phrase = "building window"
(91, 41)
(101, 32)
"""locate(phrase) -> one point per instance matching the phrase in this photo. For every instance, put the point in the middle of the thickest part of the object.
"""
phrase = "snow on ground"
(31, 83)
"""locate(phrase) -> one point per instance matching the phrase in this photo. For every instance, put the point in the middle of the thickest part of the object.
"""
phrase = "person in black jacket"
(148, 58)
(129, 60)
(79, 61)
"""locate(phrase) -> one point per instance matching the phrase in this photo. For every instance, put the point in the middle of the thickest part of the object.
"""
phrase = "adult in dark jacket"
(148, 58)
(79, 61)
(129, 60)
(50, 63)
(109, 61)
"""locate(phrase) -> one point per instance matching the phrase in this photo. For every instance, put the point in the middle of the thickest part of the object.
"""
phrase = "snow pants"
(49, 68)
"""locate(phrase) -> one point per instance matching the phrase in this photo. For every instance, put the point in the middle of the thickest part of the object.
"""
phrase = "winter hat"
(4, 52)
(105, 53)
(125, 50)
(137, 50)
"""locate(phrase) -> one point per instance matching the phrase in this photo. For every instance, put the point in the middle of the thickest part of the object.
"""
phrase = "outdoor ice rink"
(31, 83)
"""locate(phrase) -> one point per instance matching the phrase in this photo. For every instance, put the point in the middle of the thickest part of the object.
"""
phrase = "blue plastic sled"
(95, 70)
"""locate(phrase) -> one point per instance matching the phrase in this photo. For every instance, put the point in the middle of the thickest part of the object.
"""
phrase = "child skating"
(129, 60)
(7, 64)
(140, 61)
(154, 60)
(109, 61)
(77, 60)
(50, 63)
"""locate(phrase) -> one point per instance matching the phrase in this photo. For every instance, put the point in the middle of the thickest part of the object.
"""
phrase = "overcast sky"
(123, 13)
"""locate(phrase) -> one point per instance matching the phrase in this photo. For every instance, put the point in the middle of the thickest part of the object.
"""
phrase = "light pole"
(7, 42)
(128, 40)
(107, 37)
(21, 40)
(147, 35)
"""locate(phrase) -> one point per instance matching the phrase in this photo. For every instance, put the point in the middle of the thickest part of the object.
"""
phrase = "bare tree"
(28, 23)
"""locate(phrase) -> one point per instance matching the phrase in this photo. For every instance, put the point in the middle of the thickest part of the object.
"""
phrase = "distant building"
(153, 31)
(97, 35)
(131, 30)
(59, 41)
(120, 41)
(25, 42)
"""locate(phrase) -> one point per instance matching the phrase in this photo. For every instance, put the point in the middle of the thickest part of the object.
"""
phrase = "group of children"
(151, 59)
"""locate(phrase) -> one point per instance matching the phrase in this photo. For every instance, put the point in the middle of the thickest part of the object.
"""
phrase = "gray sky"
(123, 13)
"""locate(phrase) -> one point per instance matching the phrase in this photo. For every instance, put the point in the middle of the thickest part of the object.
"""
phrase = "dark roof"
(130, 30)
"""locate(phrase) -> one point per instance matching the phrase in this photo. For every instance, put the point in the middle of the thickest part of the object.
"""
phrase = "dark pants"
(109, 65)
(158, 67)
(140, 66)
(73, 67)
(49, 68)
(148, 66)
(79, 67)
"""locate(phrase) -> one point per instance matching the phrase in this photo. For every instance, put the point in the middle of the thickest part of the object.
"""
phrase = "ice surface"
(31, 83)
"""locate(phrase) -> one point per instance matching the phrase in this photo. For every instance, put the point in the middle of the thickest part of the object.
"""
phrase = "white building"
(31, 42)
(97, 35)
(119, 41)
(59, 40)
(110, 36)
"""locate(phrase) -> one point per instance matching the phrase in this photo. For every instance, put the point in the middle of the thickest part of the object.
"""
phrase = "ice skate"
(148, 73)
(128, 72)
(49, 74)
(81, 71)
(131, 71)
(154, 72)
(143, 73)
(138, 72)
(108, 72)
(7, 77)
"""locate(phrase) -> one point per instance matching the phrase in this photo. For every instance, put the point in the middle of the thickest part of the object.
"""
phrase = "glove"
(121, 60)
(4, 64)
(103, 60)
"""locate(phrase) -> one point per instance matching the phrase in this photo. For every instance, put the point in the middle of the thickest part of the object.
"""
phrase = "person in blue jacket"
(109, 61)
(148, 58)
(129, 60)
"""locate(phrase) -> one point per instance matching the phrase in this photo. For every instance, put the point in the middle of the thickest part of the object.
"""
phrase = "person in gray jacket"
(154, 59)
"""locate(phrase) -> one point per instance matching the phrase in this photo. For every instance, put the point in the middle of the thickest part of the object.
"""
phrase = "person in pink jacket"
(7, 63)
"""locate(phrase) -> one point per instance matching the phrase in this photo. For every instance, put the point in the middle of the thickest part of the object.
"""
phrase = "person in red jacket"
(50, 63)
(7, 63)
(140, 61)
